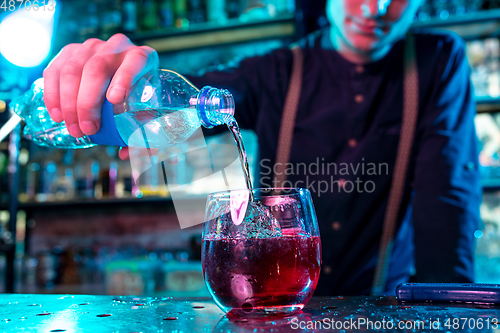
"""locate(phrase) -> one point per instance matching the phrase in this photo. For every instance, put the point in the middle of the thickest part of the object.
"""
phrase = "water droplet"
(104, 315)
(170, 318)
(6, 320)
(34, 305)
(198, 307)
(83, 304)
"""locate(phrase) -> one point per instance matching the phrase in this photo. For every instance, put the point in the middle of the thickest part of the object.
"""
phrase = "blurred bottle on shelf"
(129, 15)
(110, 18)
(23, 160)
(181, 20)
(89, 23)
(4, 176)
(46, 181)
(484, 59)
(152, 182)
(68, 27)
(196, 11)
(459, 7)
(69, 268)
(442, 9)
(81, 20)
(113, 178)
(167, 13)
(425, 12)
(257, 10)
(123, 187)
(80, 175)
(64, 185)
(234, 8)
(148, 15)
(107, 174)
(494, 4)
(93, 182)
(31, 181)
(216, 11)
(46, 269)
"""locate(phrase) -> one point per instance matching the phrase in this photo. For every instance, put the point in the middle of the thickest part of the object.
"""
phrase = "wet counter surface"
(82, 313)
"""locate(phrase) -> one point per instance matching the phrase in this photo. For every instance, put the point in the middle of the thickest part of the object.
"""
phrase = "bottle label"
(108, 133)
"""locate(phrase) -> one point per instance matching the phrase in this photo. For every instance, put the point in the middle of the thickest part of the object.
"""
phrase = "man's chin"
(365, 44)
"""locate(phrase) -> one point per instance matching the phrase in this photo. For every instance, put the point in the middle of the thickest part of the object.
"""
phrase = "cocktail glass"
(261, 258)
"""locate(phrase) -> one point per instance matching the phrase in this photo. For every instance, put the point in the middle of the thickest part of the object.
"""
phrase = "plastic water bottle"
(162, 110)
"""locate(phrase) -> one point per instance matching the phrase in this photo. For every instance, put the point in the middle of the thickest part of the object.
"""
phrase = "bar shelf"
(481, 24)
(210, 34)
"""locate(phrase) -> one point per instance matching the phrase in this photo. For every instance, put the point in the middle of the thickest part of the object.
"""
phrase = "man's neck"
(352, 55)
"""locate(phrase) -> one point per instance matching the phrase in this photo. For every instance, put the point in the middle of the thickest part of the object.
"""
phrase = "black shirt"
(344, 149)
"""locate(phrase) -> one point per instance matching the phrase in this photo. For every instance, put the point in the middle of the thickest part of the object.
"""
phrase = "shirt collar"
(346, 66)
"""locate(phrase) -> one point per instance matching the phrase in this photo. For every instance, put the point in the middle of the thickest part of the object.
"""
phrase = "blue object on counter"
(450, 292)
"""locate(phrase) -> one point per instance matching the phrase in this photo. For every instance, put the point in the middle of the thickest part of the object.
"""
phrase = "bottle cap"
(214, 106)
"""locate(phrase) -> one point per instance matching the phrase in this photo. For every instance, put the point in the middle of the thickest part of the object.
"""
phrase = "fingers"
(95, 78)
(77, 80)
(137, 62)
(71, 73)
(51, 80)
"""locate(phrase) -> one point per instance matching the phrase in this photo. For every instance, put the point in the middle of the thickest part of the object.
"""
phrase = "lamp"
(26, 34)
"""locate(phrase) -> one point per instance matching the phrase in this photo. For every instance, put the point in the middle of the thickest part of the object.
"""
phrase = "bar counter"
(83, 313)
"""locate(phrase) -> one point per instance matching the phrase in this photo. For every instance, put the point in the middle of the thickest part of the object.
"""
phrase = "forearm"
(444, 240)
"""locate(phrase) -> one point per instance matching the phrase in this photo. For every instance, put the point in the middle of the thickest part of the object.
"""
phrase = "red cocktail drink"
(263, 260)
(262, 276)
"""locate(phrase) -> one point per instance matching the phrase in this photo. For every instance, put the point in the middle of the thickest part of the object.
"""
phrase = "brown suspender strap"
(410, 111)
(288, 118)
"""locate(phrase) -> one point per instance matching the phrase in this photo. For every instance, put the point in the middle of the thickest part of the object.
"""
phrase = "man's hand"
(81, 75)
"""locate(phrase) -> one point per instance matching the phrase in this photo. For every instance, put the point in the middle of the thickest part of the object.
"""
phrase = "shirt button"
(327, 269)
(352, 143)
(470, 166)
(341, 182)
(336, 226)
(359, 69)
(359, 98)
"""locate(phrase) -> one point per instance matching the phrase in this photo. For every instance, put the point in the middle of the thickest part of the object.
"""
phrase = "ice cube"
(257, 223)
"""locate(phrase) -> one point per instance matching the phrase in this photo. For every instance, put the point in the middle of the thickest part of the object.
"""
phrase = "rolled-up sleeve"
(446, 177)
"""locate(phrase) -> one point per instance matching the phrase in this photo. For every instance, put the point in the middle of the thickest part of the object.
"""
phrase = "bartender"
(347, 130)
